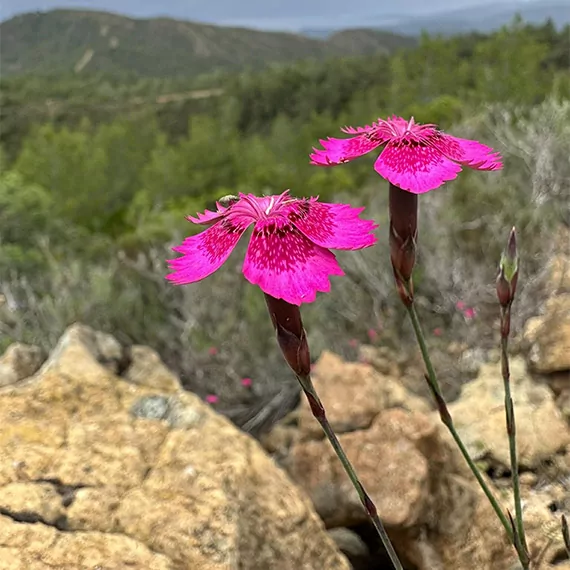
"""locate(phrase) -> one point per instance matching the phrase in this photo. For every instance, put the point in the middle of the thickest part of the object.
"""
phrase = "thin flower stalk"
(506, 287)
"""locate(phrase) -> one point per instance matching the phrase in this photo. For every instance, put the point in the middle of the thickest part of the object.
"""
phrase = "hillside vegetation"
(95, 188)
(65, 41)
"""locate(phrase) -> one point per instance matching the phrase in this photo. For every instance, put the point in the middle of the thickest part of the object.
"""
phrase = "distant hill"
(486, 18)
(62, 41)
(482, 18)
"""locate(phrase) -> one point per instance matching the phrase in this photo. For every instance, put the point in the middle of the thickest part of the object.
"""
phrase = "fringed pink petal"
(470, 153)
(417, 168)
(357, 130)
(337, 151)
(208, 217)
(336, 226)
(286, 265)
(204, 253)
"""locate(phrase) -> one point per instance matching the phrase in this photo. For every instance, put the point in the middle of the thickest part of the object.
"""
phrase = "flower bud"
(403, 231)
(508, 272)
(291, 335)
(403, 208)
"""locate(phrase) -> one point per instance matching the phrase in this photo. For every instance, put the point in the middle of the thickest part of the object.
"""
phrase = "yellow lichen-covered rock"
(97, 471)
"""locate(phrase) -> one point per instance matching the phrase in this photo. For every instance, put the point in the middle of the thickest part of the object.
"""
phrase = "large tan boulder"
(393, 440)
(354, 394)
(97, 471)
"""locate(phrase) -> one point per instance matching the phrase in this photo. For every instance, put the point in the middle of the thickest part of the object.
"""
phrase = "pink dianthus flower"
(372, 335)
(288, 255)
(470, 313)
(416, 157)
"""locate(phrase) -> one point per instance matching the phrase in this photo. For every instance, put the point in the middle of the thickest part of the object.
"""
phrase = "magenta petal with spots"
(287, 265)
(415, 171)
(470, 153)
(417, 158)
(337, 151)
(335, 226)
(208, 217)
(204, 253)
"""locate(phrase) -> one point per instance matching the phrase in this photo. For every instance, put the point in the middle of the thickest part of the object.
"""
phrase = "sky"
(267, 14)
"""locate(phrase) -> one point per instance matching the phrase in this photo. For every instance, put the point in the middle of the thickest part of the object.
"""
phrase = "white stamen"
(272, 201)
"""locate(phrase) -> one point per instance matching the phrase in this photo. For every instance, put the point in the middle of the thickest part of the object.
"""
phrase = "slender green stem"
(448, 421)
(319, 413)
(512, 434)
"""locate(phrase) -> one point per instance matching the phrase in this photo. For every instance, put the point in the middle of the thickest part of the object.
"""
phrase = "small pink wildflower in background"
(288, 255)
(353, 343)
(212, 351)
(372, 335)
(212, 399)
(246, 382)
(460, 305)
(416, 157)
(437, 331)
(469, 313)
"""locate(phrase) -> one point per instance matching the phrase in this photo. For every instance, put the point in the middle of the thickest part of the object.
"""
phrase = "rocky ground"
(107, 463)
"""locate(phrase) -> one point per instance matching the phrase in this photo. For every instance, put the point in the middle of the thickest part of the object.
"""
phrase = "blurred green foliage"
(98, 175)
(116, 174)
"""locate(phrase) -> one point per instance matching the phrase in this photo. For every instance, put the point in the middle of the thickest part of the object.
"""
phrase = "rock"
(528, 478)
(380, 453)
(549, 337)
(423, 493)
(541, 515)
(20, 361)
(563, 403)
(380, 358)
(349, 543)
(32, 502)
(558, 382)
(471, 360)
(479, 417)
(99, 472)
(37, 547)
(353, 395)
(558, 270)
(146, 369)
(435, 513)
(101, 347)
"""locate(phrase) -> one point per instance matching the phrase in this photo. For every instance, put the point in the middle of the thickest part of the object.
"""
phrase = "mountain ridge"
(76, 40)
